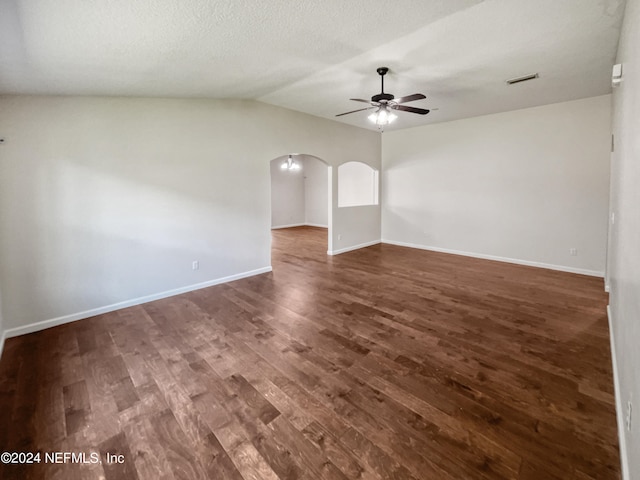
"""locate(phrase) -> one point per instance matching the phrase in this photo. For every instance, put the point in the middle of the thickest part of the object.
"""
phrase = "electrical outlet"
(628, 419)
(339, 236)
(195, 265)
(573, 252)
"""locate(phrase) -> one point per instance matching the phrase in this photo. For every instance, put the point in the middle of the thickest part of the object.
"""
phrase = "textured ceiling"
(314, 55)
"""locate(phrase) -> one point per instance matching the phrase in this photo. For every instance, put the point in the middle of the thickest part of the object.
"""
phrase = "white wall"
(287, 194)
(525, 185)
(624, 268)
(316, 192)
(105, 200)
(355, 226)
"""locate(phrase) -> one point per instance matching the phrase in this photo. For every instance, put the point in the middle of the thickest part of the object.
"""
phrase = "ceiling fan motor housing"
(387, 97)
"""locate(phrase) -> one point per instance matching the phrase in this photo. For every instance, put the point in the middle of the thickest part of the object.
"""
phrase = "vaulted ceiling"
(313, 55)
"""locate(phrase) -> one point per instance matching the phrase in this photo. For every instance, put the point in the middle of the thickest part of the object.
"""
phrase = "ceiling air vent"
(524, 78)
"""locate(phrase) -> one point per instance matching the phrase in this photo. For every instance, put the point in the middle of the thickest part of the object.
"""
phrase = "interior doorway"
(301, 193)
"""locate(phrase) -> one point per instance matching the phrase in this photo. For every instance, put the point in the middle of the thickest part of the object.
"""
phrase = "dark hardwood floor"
(382, 363)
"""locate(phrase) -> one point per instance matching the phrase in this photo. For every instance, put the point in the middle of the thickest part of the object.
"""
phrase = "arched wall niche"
(357, 185)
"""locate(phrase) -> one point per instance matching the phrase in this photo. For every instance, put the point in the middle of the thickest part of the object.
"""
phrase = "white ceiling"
(313, 55)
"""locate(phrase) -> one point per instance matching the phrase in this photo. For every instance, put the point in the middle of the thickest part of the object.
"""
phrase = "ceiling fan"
(385, 103)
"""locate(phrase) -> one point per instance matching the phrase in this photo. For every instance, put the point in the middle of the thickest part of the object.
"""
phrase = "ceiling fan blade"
(360, 100)
(354, 111)
(409, 98)
(404, 108)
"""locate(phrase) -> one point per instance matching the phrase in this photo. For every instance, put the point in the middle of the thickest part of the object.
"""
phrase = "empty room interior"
(320, 240)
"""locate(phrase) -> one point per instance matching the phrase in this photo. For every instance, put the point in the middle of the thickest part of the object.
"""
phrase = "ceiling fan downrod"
(382, 97)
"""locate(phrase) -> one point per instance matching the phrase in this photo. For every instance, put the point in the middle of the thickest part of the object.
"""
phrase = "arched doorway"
(301, 194)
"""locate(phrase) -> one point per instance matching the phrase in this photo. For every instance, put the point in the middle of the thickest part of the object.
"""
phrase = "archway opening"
(301, 203)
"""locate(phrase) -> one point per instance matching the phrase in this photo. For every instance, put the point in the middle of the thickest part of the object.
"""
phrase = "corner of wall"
(622, 439)
(2, 338)
(2, 332)
(623, 254)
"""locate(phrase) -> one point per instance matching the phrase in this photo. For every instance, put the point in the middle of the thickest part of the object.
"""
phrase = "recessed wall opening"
(357, 185)
(300, 197)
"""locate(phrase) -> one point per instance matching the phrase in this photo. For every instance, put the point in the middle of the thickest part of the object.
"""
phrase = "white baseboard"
(316, 225)
(354, 247)
(300, 225)
(562, 268)
(620, 411)
(2, 337)
(37, 326)
(288, 226)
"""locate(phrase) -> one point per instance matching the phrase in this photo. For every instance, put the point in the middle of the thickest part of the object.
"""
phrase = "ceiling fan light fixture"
(382, 116)
(385, 103)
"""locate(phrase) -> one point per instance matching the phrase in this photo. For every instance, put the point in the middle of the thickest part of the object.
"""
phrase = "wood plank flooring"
(382, 363)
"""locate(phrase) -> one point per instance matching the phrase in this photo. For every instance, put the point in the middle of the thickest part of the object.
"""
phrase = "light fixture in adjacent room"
(382, 116)
(290, 164)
